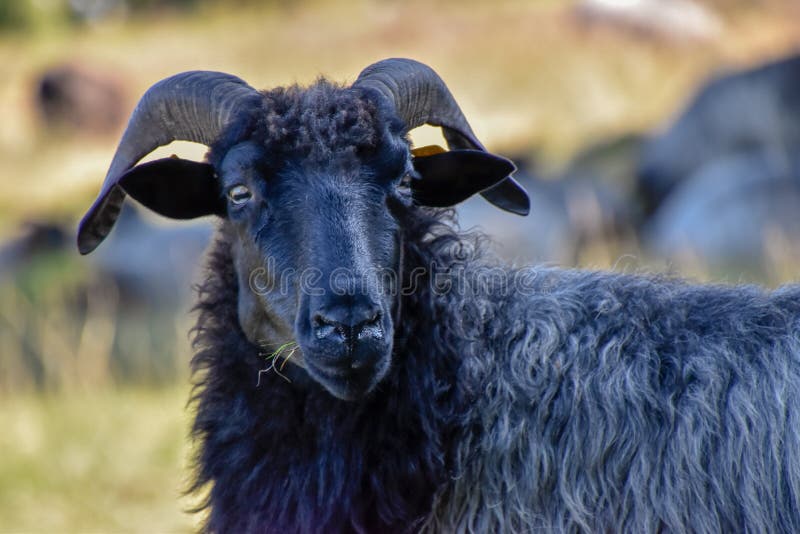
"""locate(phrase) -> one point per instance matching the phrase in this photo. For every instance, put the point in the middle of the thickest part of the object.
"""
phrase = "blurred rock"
(89, 11)
(724, 216)
(93, 10)
(76, 99)
(755, 109)
(677, 20)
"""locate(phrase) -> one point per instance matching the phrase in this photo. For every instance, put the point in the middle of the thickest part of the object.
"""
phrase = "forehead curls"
(318, 123)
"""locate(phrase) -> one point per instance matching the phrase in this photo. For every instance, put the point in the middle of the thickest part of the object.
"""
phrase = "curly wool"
(593, 402)
(288, 457)
(318, 121)
(618, 403)
(323, 126)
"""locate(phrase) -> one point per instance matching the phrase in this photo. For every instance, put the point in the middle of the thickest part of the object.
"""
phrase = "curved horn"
(192, 106)
(419, 96)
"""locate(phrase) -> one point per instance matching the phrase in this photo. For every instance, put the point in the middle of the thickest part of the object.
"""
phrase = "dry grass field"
(86, 453)
(98, 461)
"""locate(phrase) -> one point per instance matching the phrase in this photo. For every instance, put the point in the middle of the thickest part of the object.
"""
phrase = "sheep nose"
(348, 325)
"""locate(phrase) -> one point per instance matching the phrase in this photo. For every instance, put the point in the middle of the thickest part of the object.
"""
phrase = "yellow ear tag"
(430, 150)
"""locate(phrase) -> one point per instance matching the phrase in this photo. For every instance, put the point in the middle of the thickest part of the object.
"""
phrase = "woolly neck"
(279, 453)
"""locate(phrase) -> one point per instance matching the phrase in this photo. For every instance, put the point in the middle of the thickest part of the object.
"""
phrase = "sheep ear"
(175, 188)
(447, 178)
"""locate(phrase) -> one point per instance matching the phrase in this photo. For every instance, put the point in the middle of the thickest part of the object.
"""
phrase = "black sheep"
(364, 367)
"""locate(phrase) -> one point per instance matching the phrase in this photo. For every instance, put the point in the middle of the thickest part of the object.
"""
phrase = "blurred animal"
(165, 284)
(364, 367)
(126, 261)
(547, 235)
(723, 177)
(756, 109)
(726, 215)
(566, 215)
(141, 301)
(33, 239)
(73, 98)
(593, 200)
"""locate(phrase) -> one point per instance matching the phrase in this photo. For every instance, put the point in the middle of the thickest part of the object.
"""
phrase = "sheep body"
(479, 398)
(588, 402)
(633, 404)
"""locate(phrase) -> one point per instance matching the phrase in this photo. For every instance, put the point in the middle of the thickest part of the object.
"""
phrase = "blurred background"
(653, 135)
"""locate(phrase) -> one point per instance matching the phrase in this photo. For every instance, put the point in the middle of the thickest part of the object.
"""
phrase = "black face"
(317, 255)
(308, 202)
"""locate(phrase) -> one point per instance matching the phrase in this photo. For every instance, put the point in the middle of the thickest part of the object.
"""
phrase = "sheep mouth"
(347, 382)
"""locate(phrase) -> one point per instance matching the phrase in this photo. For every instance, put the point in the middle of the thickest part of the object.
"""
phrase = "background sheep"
(718, 184)
(483, 399)
(593, 200)
(77, 99)
(129, 309)
(730, 214)
(749, 110)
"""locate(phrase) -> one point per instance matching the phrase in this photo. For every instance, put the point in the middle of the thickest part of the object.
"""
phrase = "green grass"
(101, 461)
(277, 359)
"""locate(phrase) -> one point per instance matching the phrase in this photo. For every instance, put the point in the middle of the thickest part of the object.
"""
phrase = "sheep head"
(308, 182)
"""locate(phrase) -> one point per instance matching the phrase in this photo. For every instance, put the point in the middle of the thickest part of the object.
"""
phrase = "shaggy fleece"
(589, 402)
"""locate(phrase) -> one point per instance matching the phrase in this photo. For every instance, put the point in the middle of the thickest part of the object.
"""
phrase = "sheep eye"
(239, 194)
(405, 181)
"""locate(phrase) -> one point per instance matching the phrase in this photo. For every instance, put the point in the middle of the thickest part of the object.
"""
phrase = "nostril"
(319, 320)
(376, 317)
(370, 327)
(324, 331)
(324, 327)
(328, 327)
